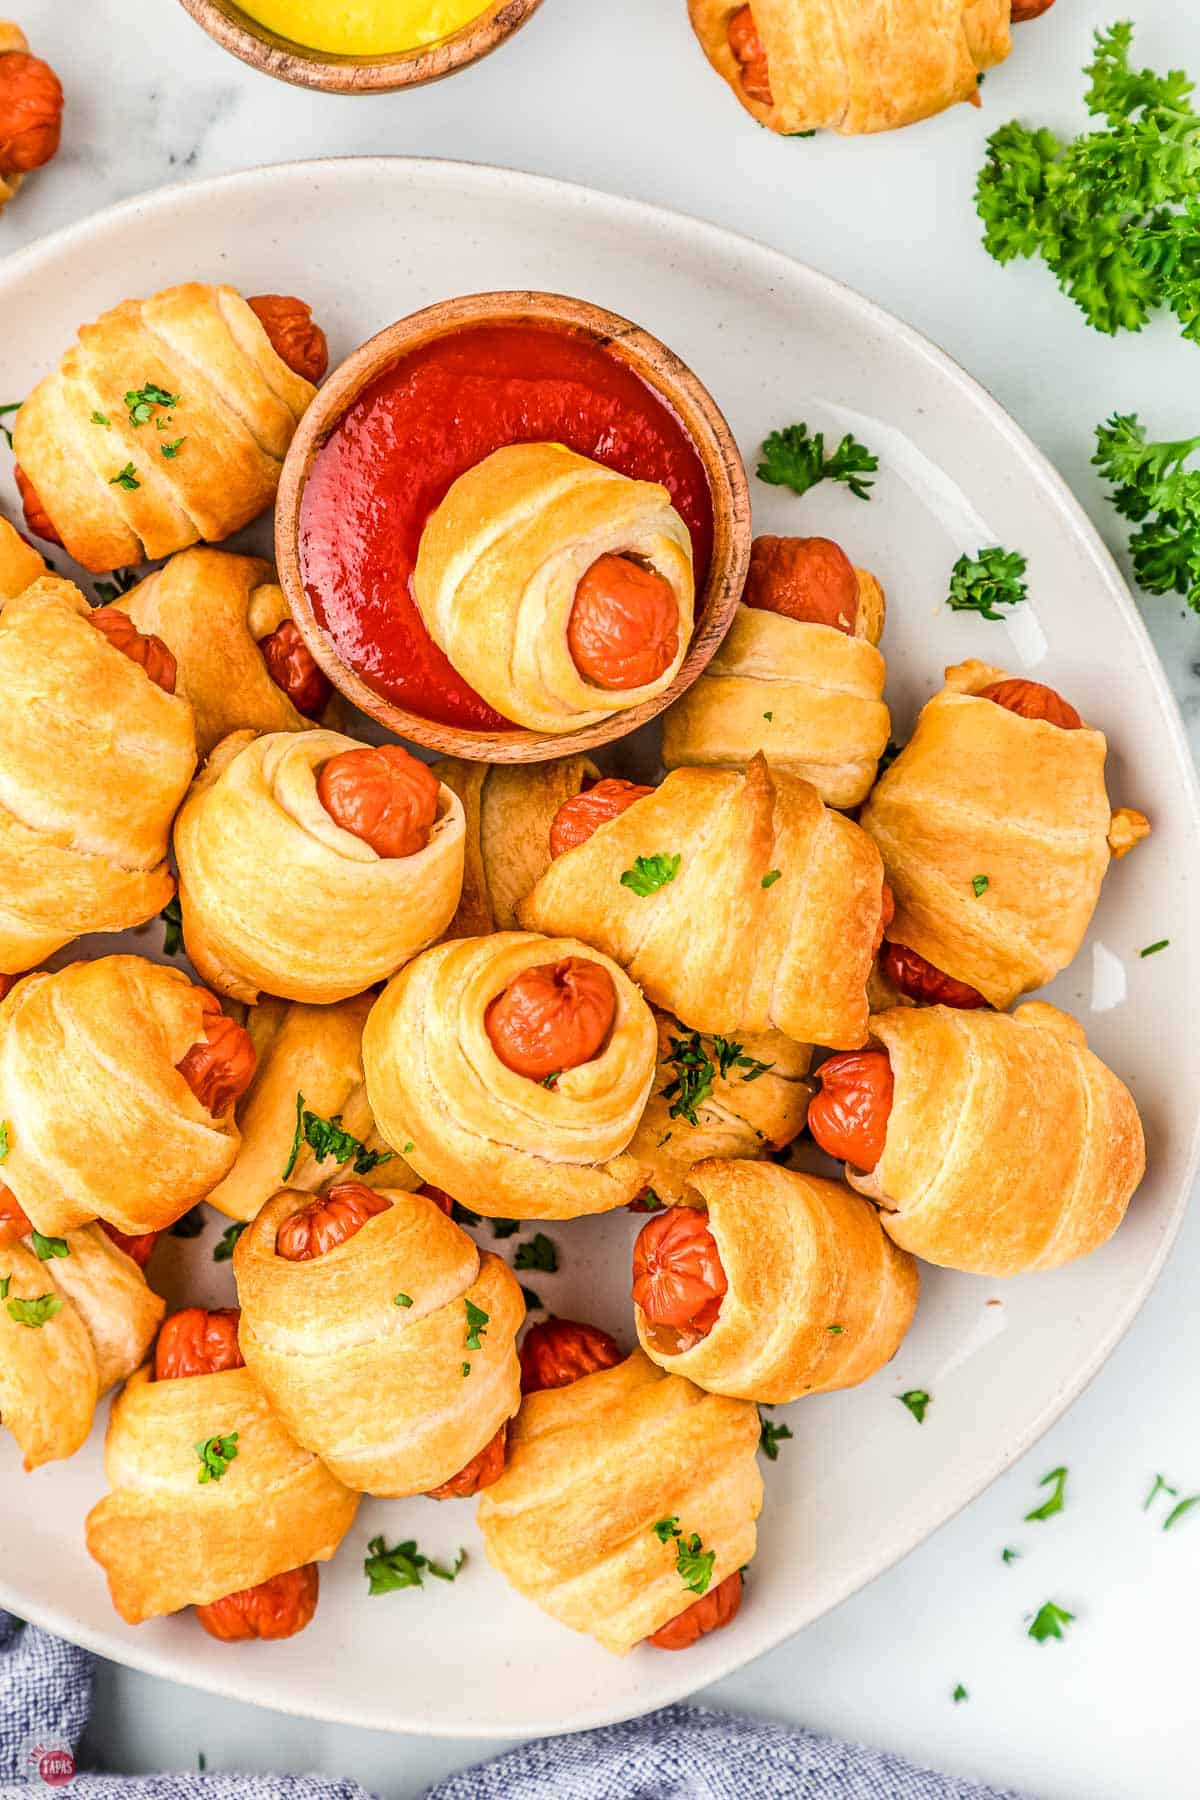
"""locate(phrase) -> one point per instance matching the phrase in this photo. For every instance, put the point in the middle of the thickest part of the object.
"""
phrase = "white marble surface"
(616, 95)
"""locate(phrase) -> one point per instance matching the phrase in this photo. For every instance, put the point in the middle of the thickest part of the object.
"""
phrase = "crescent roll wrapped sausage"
(117, 1082)
(815, 1296)
(609, 1481)
(391, 1354)
(308, 1067)
(717, 1097)
(993, 1143)
(96, 752)
(71, 1327)
(512, 1071)
(561, 590)
(239, 657)
(851, 65)
(995, 828)
(166, 423)
(209, 1495)
(20, 563)
(801, 682)
(734, 899)
(312, 866)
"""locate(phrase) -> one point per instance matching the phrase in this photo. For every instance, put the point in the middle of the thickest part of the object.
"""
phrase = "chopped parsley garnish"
(5, 1142)
(793, 459)
(1178, 1512)
(696, 1071)
(770, 1436)
(1008, 1554)
(120, 582)
(771, 877)
(227, 1242)
(1112, 212)
(538, 1253)
(1057, 1480)
(191, 1225)
(4, 1283)
(1153, 949)
(142, 402)
(980, 883)
(835, 1330)
(532, 1301)
(916, 1400)
(99, 418)
(960, 1693)
(216, 1454)
(769, 717)
(34, 1313)
(551, 1080)
(407, 1147)
(649, 873)
(465, 1370)
(170, 451)
(477, 1321)
(6, 430)
(1160, 1487)
(462, 1215)
(982, 583)
(126, 478)
(172, 917)
(505, 1227)
(402, 1300)
(1049, 1622)
(326, 1138)
(650, 1201)
(403, 1566)
(1153, 488)
(46, 1247)
(694, 1563)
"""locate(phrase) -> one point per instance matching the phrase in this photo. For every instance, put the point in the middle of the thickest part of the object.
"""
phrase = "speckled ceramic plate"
(860, 1483)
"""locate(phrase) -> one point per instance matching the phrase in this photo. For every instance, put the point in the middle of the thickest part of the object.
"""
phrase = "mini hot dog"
(220, 1067)
(552, 1017)
(848, 1115)
(678, 1280)
(559, 1351)
(717, 1608)
(293, 668)
(910, 974)
(623, 630)
(385, 796)
(808, 579)
(149, 652)
(577, 818)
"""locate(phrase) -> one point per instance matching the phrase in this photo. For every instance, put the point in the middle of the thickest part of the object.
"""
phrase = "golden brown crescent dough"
(96, 1328)
(314, 1052)
(236, 405)
(981, 791)
(810, 697)
(747, 1096)
(100, 1121)
(94, 760)
(165, 1539)
(500, 560)
(859, 65)
(770, 922)
(592, 1468)
(212, 610)
(502, 1143)
(1010, 1145)
(818, 1297)
(20, 564)
(509, 809)
(377, 1389)
(332, 916)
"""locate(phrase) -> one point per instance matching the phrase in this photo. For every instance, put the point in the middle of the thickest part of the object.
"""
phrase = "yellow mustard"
(364, 27)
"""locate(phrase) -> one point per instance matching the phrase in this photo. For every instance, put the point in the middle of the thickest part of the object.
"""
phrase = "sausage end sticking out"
(140, 1248)
(31, 109)
(747, 48)
(552, 1018)
(36, 516)
(385, 796)
(678, 1280)
(713, 1610)
(848, 1116)
(295, 337)
(439, 1196)
(1024, 10)
(920, 980)
(14, 1222)
(1032, 700)
(328, 1220)
(221, 1066)
(292, 667)
(559, 1351)
(143, 648)
(623, 631)
(276, 1608)
(809, 579)
(197, 1342)
(577, 818)
(484, 1468)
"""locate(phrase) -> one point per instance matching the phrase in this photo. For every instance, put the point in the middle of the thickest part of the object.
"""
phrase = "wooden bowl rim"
(296, 63)
(663, 371)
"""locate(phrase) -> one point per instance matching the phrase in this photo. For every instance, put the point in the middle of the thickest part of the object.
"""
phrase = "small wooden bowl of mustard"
(372, 53)
(435, 396)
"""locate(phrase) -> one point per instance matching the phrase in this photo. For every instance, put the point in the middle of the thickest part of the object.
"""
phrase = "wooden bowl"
(264, 49)
(663, 372)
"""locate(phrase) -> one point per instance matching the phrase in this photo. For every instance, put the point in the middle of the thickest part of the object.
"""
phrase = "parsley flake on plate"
(191, 1225)
(403, 1566)
(538, 1253)
(793, 459)
(227, 1243)
(770, 1437)
(916, 1400)
(990, 579)
(1153, 487)
(172, 918)
(1057, 1480)
(1049, 1622)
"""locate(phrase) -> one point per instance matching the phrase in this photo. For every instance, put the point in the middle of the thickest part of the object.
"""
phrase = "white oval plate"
(860, 1483)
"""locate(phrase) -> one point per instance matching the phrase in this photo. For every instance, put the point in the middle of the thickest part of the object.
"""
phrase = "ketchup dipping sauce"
(409, 435)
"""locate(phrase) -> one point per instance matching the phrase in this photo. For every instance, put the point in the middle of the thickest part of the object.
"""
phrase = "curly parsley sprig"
(792, 458)
(1153, 486)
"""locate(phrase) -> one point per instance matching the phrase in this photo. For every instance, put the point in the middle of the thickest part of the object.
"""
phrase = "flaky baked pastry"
(71, 1327)
(769, 920)
(593, 1468)
(20, 564)
(278, 896)
(169, 1534)
(392, 1354)
(308, 1061)
(851, 65)
(226, 622)
(167, 422)
(95, 756)
(96, 1094)
(508, 1143)
(994, 829)
(1008, 1145)
(816, 1296)
(560, 589)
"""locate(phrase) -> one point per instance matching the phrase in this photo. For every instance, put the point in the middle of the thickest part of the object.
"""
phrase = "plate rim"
(71, 239)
